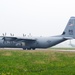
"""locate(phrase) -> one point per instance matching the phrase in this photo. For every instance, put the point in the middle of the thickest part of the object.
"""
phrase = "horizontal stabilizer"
(17, 39)
(68, 37)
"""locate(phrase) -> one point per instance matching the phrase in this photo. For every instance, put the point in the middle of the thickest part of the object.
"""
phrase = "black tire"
(24, 48)
(33, 48)
(28, 48)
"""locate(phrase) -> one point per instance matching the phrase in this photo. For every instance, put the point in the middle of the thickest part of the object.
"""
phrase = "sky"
(38, 17)
(35, 17)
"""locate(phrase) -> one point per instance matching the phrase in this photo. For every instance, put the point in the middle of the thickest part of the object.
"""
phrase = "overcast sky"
(38, 17)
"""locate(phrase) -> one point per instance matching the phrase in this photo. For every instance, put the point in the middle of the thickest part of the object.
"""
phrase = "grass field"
(37, 62)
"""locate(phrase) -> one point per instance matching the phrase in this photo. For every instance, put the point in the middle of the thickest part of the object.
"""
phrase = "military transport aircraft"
(39, 42)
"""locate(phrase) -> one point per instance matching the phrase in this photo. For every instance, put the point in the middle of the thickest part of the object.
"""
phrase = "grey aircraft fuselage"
(41, 42)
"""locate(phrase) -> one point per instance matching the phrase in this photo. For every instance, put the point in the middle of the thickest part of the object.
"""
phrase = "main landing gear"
(28, 48)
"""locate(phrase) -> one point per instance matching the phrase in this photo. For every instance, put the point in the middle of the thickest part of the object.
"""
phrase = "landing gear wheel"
(28, 48)
(33, 48)
(24, 48)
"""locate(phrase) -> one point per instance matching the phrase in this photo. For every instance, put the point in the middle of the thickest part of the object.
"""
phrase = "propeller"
(24, 35)
(29, 35)
(4, 34)
(11, 34)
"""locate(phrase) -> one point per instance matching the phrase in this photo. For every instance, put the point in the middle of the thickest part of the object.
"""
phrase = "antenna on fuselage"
(4, 34)
(29, 35)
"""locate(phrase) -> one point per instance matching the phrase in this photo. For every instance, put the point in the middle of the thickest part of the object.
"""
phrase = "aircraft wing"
(25, 39)
(5, 38)
(17, 39)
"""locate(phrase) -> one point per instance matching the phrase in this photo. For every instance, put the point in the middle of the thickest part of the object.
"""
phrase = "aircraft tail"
(69, 32)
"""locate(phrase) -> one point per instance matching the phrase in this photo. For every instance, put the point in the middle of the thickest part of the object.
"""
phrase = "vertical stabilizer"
(70, 28)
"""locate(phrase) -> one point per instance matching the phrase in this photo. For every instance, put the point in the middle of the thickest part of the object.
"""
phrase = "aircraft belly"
(41, 44)
(54, 42)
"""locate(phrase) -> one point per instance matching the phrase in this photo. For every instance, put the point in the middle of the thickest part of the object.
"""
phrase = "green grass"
(38, 62)
(62, 48)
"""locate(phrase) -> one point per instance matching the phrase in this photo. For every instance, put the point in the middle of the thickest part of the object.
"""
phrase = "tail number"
(70, 32)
